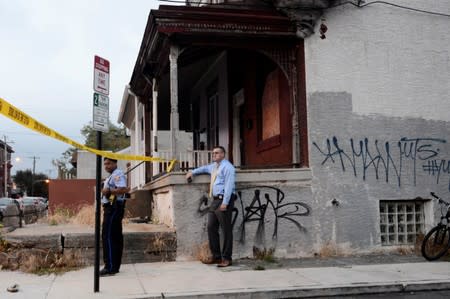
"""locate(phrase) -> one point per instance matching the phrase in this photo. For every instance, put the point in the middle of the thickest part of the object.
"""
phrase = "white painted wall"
(86, 165)
(378, 94)
(393, 62)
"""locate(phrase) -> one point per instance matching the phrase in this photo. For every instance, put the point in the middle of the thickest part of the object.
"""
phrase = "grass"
(85, 215)
(60, 216)
(39, 261)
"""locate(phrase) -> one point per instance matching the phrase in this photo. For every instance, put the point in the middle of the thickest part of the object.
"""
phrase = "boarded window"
(270, 107)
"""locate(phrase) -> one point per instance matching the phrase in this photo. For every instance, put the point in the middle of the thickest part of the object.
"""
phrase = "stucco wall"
(392, 61)
(281, 218)
(391, 159)
(379, 82)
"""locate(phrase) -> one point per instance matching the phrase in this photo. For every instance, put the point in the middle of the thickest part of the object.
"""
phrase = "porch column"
(174, 117)
(295, 132)
(155, 126)
(136, 141)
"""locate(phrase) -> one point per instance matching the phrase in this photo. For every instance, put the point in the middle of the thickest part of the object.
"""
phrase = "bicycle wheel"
(436, 243)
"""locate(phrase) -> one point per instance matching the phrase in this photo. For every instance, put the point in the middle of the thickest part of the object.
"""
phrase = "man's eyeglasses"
(216, 153)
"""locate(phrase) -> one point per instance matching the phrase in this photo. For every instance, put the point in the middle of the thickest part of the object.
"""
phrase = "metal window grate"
(401, 222)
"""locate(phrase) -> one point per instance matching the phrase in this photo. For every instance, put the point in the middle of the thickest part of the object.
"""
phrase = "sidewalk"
(195, 280)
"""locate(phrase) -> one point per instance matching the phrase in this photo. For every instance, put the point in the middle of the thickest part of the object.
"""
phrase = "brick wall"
(71, 194)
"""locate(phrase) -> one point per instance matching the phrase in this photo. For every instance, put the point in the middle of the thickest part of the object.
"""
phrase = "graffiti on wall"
(387, 160)
(262, 205)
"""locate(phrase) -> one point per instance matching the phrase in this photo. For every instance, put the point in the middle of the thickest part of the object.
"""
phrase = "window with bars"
(401, 221)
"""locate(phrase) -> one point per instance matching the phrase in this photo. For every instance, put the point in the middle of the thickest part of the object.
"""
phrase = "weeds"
(162, 245)
(202, 252)
(266, 255)
(60, 216)
(331, 249)
(37, 261)
(259, 268)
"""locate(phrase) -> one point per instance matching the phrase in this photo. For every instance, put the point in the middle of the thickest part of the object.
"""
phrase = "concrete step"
(143, 243)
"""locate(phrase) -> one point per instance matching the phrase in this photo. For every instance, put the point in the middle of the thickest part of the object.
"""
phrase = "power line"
(358, 5)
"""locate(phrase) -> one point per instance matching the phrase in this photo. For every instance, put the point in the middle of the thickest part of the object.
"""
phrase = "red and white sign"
(101, 75)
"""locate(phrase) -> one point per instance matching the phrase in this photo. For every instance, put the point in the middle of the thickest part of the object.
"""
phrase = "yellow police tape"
(25, 120)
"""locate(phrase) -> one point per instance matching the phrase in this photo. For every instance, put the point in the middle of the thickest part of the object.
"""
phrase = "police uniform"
(113, 212)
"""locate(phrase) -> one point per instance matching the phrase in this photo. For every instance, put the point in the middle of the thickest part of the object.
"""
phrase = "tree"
(25, 182)
(113, 140)
(64, 164)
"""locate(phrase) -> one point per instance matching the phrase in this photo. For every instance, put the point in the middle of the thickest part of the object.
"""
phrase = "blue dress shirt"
(225, 179)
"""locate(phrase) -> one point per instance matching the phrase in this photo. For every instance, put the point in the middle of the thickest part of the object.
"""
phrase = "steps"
(143, 243)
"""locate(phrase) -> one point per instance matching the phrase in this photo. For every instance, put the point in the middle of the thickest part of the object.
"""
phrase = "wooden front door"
(267, 121)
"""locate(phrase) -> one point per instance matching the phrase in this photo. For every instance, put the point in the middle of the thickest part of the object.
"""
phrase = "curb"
(302, 292)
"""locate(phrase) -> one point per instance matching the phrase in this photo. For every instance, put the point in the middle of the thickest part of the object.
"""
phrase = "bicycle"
(437, 241)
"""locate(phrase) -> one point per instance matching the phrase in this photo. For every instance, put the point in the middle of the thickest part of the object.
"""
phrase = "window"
(401, 221)
(268, 110)
(270, 107)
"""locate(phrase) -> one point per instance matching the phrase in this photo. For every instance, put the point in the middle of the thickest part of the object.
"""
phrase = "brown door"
(266, 121)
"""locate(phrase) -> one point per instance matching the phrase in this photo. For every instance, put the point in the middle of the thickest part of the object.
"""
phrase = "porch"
(214, 76)
(272, 213)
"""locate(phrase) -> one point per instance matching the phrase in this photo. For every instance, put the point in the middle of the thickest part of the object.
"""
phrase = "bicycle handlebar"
(440, 200)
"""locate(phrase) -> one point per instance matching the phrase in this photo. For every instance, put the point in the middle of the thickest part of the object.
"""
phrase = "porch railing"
(186, 160)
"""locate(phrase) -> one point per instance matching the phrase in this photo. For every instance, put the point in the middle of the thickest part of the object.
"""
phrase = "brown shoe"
(211, 261)
(224, 263)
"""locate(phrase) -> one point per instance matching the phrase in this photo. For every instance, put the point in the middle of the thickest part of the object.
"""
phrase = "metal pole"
(5, 166)
(32, 176)
(98, 177)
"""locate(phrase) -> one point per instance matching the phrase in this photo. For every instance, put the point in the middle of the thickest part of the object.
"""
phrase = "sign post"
(101, 113)
(100, 124)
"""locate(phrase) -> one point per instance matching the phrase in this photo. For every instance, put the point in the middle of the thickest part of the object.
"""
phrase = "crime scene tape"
(27, 121)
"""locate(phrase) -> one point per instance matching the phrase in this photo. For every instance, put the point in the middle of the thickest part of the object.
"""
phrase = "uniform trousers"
(112, 236)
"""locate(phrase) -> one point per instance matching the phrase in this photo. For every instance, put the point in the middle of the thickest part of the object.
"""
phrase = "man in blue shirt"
(113, 201)
(221, 191)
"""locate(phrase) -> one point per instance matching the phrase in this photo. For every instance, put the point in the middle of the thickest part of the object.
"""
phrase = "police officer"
(113, 201)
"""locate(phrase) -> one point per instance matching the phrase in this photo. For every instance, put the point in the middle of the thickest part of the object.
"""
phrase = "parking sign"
(101, 112)
(101, 75)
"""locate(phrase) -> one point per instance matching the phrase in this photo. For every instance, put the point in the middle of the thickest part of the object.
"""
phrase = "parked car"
(9, 207)
(33, 209)
(44, 201)
(36, 201)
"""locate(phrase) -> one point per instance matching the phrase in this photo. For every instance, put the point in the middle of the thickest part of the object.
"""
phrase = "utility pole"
(5, 166)
(32, 174)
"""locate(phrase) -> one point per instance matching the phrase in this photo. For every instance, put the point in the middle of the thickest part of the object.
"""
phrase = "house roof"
(204, 27)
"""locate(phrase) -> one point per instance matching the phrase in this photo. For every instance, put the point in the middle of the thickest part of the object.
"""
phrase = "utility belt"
(114, 203)
(220, 197)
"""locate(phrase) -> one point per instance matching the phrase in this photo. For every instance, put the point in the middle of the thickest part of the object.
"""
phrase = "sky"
(46, 67)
